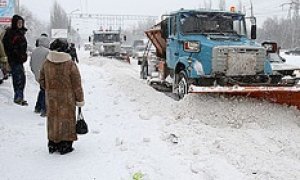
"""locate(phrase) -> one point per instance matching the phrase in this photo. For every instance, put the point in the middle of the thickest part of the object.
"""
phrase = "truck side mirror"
(271, 47)
(253, 31)
(90, 39)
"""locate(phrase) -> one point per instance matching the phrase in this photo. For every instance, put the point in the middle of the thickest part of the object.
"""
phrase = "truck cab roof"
(206, 11)
(106, 32)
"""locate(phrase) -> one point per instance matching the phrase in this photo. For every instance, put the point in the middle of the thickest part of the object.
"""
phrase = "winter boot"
(37, 110)
(65, 147)
(24, 103)
(21, 102)
(52, 147)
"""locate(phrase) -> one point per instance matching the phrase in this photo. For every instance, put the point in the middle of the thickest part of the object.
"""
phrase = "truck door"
(172, 43)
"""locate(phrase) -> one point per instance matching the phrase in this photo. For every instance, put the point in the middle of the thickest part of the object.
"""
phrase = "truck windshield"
(107, 38)
(212, 23)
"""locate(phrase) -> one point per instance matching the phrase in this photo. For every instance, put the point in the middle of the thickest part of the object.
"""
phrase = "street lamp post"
(17, 6)
(70, 24)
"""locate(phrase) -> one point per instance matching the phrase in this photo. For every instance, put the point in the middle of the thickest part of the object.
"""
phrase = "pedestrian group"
(60, 89)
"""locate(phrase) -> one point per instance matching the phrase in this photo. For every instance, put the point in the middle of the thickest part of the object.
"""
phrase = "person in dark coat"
(15, 46)
(73, 53)
(60, 77)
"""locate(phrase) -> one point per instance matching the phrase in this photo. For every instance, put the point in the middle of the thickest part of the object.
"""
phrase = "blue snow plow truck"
(204, 51)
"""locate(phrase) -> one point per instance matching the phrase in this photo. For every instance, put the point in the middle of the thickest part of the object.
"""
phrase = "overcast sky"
(41, 8)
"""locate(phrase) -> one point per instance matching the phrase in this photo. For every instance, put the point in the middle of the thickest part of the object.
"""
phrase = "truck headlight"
(191, 46)
(199, 68)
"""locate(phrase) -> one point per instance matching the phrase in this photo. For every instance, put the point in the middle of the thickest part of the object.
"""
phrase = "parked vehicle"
(206, 51)
(139, 42)
(124, 55)
(139, 47)
(138, 52)
(295, 52)
(128, 49)
(87, 46)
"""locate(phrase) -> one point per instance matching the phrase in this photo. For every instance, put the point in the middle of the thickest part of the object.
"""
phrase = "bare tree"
(294, 5)
(58, 18)
(296, 24)
(281, 31)
(286, 32)
(35, 26)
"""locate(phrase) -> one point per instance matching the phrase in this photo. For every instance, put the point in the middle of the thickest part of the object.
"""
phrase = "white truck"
(105, 43)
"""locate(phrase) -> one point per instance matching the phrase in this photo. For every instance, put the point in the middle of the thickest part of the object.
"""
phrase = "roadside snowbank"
(135, 129)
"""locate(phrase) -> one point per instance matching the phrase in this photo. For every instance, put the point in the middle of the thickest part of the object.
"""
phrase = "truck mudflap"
(289, 96)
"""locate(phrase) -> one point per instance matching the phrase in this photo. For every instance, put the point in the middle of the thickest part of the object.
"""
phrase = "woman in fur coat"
(61, 80)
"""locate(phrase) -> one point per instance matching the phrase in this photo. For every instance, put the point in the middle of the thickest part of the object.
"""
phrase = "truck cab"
(105, 43)
(206, 47)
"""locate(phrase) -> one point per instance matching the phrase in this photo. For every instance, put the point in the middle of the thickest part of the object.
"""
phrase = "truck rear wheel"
(182, 84)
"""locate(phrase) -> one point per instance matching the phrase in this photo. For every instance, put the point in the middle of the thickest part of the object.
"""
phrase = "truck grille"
(235, 61)
(109, 49)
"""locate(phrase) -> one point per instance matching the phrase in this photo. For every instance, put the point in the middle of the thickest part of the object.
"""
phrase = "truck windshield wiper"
(230, 32)
(224, 33)
(194, 31)
(214, 32)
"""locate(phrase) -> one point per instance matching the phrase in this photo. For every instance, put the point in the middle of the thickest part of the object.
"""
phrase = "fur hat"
(59, 45)
(14, 22)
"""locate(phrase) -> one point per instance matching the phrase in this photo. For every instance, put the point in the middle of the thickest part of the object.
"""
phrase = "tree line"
(284, 31)
(58, 20)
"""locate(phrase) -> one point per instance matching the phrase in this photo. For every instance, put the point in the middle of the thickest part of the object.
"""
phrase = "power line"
(293, 4)
(114, 21)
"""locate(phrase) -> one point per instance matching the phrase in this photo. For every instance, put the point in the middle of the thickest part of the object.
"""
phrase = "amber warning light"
(232, 9)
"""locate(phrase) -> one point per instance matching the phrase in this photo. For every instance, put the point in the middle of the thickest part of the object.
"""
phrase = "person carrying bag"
(60, 77)
(81, 126)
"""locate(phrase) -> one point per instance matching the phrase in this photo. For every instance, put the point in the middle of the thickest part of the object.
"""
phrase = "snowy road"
(130, 126)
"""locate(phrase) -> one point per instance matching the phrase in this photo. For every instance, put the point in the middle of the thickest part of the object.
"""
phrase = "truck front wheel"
(182, 84)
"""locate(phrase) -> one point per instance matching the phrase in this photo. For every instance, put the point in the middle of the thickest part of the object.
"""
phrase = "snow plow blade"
(282, 95)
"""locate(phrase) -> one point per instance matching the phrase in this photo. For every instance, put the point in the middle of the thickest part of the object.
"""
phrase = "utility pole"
(17, 6)
(293, 4)
(252, 18)
(222, 5)
(240, 6)
(297, 7)
(208, 5)
(297, 19)
(70, 33)
(294, 21)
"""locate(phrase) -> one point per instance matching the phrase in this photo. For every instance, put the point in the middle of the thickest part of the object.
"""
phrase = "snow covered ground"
(136, 130)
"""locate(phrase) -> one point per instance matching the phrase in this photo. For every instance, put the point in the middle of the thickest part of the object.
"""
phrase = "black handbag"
(81, 126)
